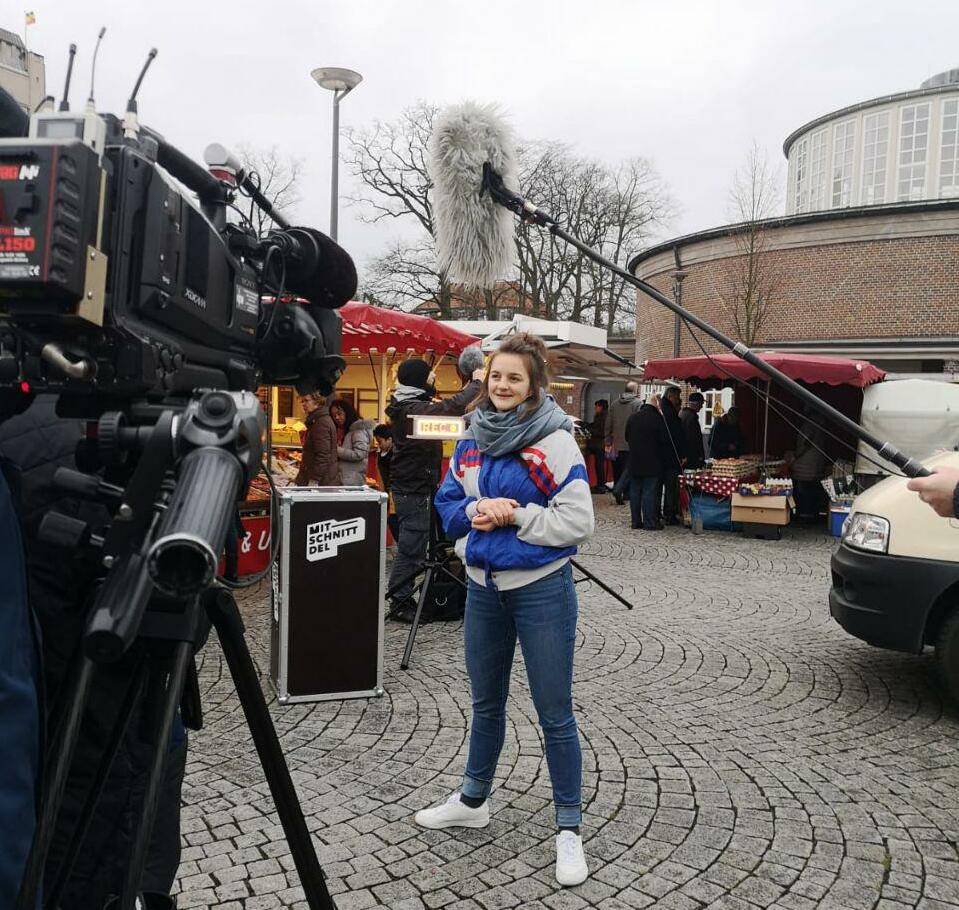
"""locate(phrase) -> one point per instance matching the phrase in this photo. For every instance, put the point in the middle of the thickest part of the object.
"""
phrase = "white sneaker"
(454, 814)
(570, 859)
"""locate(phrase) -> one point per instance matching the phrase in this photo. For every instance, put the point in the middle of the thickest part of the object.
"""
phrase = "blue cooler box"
(837, 516)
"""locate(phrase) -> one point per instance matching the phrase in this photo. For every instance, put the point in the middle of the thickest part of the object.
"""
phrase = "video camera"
(116, 286)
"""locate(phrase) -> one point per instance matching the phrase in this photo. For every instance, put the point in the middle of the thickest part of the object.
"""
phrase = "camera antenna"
(93, 68)
(130, 125)
(65, 103)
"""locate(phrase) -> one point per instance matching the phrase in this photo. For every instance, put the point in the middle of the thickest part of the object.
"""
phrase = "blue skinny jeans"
(543, 616)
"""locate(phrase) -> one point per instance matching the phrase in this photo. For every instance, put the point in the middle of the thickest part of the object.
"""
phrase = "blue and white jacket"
(549, 481)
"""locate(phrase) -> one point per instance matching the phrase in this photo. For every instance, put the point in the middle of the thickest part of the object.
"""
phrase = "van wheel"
(947, 654)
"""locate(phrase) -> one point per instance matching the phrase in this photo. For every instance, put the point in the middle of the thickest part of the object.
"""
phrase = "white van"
(895, 576)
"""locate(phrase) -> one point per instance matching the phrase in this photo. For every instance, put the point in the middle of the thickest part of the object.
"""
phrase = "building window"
(913, 151)
(843, 152)
(817, 172)
(801, 199)
(949, 156)
(368, 404)
(875, 150)
(13, 56)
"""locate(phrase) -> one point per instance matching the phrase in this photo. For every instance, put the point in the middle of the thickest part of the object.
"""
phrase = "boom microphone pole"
(470, 239)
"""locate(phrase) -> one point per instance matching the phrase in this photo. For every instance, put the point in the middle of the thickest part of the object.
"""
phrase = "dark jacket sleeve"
(454, 406)
(320, 464)
(694, 437)
(674, 439)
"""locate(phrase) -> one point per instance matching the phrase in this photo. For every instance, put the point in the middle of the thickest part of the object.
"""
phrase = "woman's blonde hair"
(531, 350)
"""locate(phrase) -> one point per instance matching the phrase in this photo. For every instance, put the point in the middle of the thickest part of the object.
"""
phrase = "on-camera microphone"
(474, 234)
(317, 267)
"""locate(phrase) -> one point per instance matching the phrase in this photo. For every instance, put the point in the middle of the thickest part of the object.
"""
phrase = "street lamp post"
(678, 277)
(341, 82)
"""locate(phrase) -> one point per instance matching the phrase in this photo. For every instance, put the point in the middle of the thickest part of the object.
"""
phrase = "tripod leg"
(229, 627)
(51, 898)
(605, 587)
(424, 593)
(55, 782)
(403, 581)
(182, 656)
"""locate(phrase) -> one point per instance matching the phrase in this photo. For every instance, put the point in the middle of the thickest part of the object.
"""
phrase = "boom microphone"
(474, 235)
(317, 267)
(473, 169)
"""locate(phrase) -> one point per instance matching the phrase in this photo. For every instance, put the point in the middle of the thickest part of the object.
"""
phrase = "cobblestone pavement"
(739, 750)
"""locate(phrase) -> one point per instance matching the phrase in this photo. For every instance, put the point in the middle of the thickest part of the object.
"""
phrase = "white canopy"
(919, 416)
(576, 351)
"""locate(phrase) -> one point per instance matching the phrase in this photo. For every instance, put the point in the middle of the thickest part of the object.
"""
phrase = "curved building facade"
(899, 148)
(865, 263)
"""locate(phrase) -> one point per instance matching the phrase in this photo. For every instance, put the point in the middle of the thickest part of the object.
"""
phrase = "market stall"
(755, 488)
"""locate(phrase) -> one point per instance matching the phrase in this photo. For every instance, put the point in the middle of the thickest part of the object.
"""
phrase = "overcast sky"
(689, 85)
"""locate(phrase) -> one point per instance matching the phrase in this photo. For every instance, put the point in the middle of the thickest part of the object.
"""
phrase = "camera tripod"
(435, 564)
(171, 634)
(158, 596)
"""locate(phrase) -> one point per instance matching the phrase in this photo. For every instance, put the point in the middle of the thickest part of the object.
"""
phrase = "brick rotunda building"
(865, 262)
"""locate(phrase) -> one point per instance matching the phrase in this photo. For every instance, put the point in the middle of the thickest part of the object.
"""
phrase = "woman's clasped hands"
(494, 513)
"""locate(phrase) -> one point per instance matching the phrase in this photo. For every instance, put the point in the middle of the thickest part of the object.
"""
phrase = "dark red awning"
(369, 328)
(808, 368)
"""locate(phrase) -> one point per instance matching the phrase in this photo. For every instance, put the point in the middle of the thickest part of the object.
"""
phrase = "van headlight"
(866, 532)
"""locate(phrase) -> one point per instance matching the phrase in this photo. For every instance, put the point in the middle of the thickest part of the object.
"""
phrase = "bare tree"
(389, 159)
(404, 276)
(753, 279)
(278, 178)
(615, 211)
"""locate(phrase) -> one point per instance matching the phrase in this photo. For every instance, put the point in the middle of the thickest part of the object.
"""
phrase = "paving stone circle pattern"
(739, 749)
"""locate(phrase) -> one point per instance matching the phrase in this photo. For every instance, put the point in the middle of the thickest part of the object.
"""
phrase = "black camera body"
(115, 286)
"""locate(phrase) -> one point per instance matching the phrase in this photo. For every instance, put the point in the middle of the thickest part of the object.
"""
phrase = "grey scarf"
(504, 432)
(408, 392)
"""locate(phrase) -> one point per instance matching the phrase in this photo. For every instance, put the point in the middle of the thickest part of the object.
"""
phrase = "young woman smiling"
(517, 500)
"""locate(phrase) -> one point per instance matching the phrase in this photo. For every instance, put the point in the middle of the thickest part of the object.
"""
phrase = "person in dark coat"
(415, 471)
(693, 432)
(383, 434)
(627, 404)
(319, 465)
(596, 444)
(646, 436)
(674, 454)
(727, 439)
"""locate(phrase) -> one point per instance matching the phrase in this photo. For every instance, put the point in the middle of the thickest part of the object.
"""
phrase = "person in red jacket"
(319, 465)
